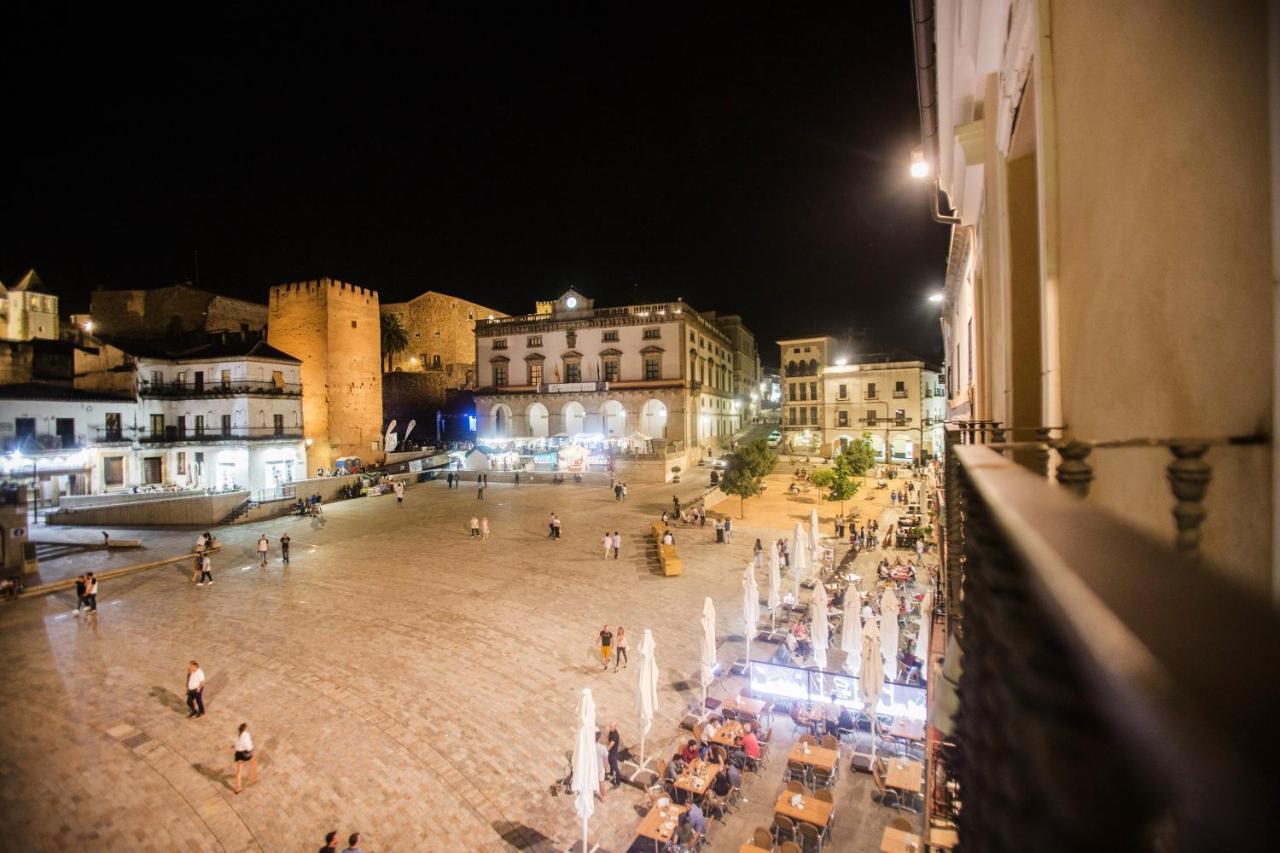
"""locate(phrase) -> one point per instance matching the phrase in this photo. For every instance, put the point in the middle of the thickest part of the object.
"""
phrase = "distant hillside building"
(333, 327)
(171, 311)
(25, 312)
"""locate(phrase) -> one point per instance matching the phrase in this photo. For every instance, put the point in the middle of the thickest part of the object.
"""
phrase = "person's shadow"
(169, 699)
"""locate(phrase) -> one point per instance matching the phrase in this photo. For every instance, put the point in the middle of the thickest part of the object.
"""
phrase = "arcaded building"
(333, 327)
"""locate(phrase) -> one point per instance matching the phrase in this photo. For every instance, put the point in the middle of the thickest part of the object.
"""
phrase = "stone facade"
(25, 312)
(333, 327)
(441, 332)
(169, 311)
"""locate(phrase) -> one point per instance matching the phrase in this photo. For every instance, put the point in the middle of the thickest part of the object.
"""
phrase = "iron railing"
(171, 434)
(1115, 694)
(230, 388)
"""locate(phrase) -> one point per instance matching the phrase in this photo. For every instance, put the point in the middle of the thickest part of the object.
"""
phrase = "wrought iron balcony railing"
(230, 388)
(171, 434)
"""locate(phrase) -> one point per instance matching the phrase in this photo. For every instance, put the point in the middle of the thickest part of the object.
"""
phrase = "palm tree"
(394, 339)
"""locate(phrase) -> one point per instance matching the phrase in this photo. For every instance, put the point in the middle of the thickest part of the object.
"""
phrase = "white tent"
(775, 585)
(819, 633)
(708, 626)
(799, 556)
(646, 689)
(922, 636)
(815, 536)
(750, 607)
(586, 762)
(851, 633)
(889, 634)
(871, 676)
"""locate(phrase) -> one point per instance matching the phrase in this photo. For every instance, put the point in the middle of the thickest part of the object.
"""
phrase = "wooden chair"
(808, 739)
(810, 837)
(825, 795)
(762, 838)
(790, 847)
(902, 823)
(830, 742)
(822, 778)
(722, 755)
(796, 787)
(877, 778)
(784, 828)
(698, 728)
(796, 770)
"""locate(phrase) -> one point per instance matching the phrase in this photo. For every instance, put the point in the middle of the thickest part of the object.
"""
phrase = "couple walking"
(480, 527)
(612, 544)
(264, 544)
(608, 643)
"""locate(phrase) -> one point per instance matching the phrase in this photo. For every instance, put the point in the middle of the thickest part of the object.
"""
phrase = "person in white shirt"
(244, 755)
(195, 690)
(607, 543)
(206, 570)
(262, 548)
(399, 490)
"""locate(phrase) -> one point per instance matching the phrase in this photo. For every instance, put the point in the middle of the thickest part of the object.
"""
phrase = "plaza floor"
(399, 677)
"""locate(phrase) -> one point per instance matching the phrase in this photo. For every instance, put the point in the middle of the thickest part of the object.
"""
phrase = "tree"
(822, 478)
(394, 339)
(747, 467)
(849, 465)
(861, 456)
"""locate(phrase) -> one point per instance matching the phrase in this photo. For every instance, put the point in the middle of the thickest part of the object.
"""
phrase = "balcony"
(899, 395)
(172, 435)
(42, 443)
(234, 388)
(1096, 707)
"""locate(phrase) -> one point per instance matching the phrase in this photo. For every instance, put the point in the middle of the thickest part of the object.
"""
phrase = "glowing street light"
(842, 361)
(936, 297)
(919, 165)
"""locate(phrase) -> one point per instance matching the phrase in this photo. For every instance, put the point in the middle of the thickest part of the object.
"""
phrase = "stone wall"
(194, 511)
(438, 326)
(333, 327)
(178, 309)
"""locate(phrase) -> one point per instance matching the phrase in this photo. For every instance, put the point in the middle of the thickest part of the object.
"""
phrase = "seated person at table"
(837, 600)
(799, 631)
(750, 744)
(845, 721)
(668, 539)
(682, 838)
(691, 751)
(721, 786)
(674, 768)
(735, 776)
(909, 663)
(696, 819)
(710, 728)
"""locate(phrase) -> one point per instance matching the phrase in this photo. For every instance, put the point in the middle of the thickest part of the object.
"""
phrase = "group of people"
(613, 647)
(264, 546)
(86, 593)
(612, 544)
(242, 751)
(479, 527)
(619, 489)
(331, 843)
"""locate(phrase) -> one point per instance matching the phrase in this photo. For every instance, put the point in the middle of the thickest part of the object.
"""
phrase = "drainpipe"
(923, 35)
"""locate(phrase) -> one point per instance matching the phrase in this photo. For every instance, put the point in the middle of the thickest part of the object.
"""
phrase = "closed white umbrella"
(871, 676)
(646, 689)
(586, 762)
(819, 635)
(708, 646)
(922, 636)
(814, 536)
(851, 633)
(889, 634)
(799, 556)
(775, 585)
(750, 608)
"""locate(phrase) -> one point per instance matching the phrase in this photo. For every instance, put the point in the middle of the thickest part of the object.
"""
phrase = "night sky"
(748, 161)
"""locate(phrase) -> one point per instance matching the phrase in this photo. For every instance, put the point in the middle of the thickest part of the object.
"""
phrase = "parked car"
(775, 438)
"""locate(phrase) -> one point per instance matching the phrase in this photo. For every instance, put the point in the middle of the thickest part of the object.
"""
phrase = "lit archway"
(538, 420)
(501, 415)
(877, 446)
(653, 419)
(613, 415)
(575, 417)
(903, 448)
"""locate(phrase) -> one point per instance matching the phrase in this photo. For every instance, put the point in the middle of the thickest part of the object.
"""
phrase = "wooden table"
(814, 811)
(943, 836)
(904, 775)
(907, 729)
(751, 848)
(820, 757)
(652, 826)
(725, 734)
(698, 771)
(740, 704)
(897, 841)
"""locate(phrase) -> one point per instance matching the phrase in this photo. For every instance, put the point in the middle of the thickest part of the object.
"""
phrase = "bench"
(670, 560)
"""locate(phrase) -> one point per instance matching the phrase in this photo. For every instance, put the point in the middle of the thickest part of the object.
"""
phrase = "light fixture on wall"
(936, 297)
(919, 165)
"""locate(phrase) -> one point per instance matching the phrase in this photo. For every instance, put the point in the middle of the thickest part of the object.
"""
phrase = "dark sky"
(748, 161)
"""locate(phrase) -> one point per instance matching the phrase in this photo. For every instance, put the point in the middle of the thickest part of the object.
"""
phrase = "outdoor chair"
(762, 838)
(830, 742)
(822, 778)
(795, 786)
(790, 847)
(799, 771)
(902, 823)
(877, 778)
(810, 837)
(784, 829)
(827, 797)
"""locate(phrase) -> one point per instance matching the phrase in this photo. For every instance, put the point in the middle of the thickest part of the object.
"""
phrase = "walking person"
(624, 492)
(330, 842)
(399, 490)
(617, 544)
(206, 570)
(607, 543)
(353, 842)
(555, 526)
(613, 741)
(195, 567)
(91, 592)
(479, 488)
(81, 586)
(244, 755)
(448, 480)
(516, 479)
(475, 527)
(551, 526)
(484, 527)
(606, 645)
(758, 552)
(263, 544)
(620, 647)
(284, 548)
(195, 690)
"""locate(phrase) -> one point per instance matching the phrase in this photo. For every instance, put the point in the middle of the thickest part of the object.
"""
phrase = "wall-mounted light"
(919, 165)
(936, 297)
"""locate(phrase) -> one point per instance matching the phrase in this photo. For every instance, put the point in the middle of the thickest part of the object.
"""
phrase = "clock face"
(572, 302)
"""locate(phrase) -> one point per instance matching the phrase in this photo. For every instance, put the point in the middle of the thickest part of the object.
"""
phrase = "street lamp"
(919, 165)
(936, 297)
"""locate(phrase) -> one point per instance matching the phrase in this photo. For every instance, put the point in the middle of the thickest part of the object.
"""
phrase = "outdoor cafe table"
(907, 729)
(897, 841)
(943, 836)
(811, 810)
(742, 704)
(725, 734)
(904, 775)
(820, 757)
(751, 848)
(654, 824)
(697, 777)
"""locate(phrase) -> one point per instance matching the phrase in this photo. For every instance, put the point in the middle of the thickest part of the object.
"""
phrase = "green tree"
(861, 456)
(849, 465)
(394, 339)
(823, 478)
(745, 472)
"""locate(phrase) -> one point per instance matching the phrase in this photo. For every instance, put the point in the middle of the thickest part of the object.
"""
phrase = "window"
(900, 389)
(534, 341)
(792, 416)
(652, 367)
(871, 390)
(803, 416)
(612, 370)
(871, 417)
(611, 335)
(157, 378)
(113, 471)
(182, 427)
(277, 424)
(813, 390)
(806, 349)
(499, 343)
(802, 391)
(842, 418)
(813, 415)
(226, 378)
(152, 470)
(572, 371)
(652, 334)
(277, 379)
(182, 463)
(226, 425)
(535, 373)
(499, 375)
(157, 426)
(900, 417)
(844, 392)
(353, 324)
(112, 427)
(199, 426)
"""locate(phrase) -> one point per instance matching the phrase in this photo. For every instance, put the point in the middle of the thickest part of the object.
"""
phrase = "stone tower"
(334, 328)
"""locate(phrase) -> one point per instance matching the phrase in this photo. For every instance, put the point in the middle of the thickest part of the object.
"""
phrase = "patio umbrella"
(814, 536)
(799, 556)
(871, 676)
(646, 689)
(775, 585)
(889, 634)
(586, 762)
(708, 646)
(851, 633)
(819, 632)
(750, 607)
(922, 636)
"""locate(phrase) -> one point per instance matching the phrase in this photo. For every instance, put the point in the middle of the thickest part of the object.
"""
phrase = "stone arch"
(653, 418)
(842, 441)
(813, 367)
(901, 447)
(791, 368)
(539, 420)
(613, 419)
(574, 417)
(877, 445)
(501, 417)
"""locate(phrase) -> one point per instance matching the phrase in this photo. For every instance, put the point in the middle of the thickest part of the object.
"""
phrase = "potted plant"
(675, 473)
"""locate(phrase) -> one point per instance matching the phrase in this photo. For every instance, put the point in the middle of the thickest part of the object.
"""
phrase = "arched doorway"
(574, 416)
(538, 420)
(841, 443)
(614, 418)
(653, 419)
(903, 448)
(877, 446)
(501, 421)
